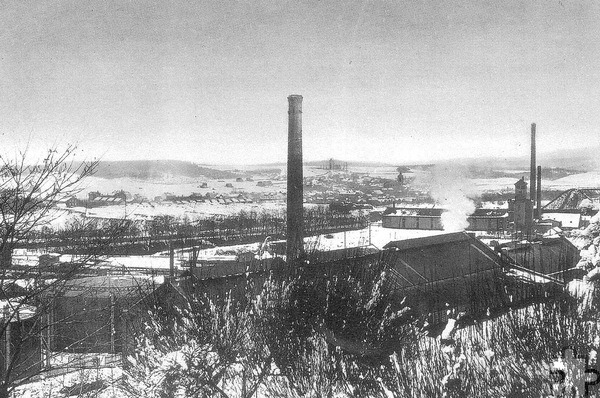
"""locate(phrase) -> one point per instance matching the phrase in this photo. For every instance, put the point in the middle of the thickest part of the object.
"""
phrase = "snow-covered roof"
(567, 220)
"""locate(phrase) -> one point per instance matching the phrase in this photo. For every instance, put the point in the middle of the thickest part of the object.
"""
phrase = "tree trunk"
(6, 257)
(4, 390)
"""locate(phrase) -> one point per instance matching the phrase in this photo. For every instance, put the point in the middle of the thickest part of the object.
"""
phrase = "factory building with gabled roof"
(459, 271)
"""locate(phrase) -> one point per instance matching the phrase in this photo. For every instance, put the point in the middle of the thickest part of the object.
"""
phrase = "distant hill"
(351, 163)
(157, 169)
(581, 159)
(585, 159)
(566, 162)
(317, 163)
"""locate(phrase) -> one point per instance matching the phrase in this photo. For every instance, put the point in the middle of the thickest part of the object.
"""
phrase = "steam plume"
(450, 188)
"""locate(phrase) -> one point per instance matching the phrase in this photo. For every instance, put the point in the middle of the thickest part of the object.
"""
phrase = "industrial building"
(573, 208)
(519, 217)
(492, 220)
(453, 270)
(520, 209)
(459, 271)
(555, 257)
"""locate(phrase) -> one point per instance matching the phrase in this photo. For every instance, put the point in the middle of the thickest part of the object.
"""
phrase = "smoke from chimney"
(295, 215)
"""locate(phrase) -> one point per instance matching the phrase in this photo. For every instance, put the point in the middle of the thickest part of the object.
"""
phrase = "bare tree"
(29, 193)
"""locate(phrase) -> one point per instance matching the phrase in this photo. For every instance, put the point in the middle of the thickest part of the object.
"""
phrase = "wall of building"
(87, 324)
(435, 223)
(487, 223)
(412, 222)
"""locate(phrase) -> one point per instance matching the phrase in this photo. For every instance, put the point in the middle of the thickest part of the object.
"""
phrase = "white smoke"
(450, 188)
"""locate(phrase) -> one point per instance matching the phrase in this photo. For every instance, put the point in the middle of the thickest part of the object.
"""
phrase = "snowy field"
(583, 180)
(179, 186)
(144, 211)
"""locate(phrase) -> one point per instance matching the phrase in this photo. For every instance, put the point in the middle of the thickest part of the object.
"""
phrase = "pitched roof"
(428, 260)
(407, 244)
(547, 256)
(520, 183)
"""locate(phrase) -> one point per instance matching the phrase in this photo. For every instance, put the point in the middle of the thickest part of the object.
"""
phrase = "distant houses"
(97, 199)
(208, 198)
(72, 202)
(265, 183)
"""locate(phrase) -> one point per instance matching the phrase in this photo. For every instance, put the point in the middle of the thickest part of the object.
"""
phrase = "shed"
(87, 312)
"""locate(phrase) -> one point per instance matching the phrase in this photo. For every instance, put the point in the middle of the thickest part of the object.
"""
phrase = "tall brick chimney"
(295, 215)
(538, 197)
(532, 178)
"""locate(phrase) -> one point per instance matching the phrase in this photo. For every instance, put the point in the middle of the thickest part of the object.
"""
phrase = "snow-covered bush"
(196, 347)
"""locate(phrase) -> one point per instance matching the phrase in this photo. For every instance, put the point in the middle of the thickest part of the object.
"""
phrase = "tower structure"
(532, 170)
(295, 212)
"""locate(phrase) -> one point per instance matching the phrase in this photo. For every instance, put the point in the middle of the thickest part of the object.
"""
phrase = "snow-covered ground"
(57, 382)
(375, 236)
(180, 186)
(143, 211)
(584, 180)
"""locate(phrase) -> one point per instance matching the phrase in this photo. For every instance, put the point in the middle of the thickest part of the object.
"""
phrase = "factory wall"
(487, 223)
(412, 222)
(499, 223)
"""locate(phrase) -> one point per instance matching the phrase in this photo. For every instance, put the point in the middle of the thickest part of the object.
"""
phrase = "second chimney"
(538, 197)
(532, 179)
(295, 212)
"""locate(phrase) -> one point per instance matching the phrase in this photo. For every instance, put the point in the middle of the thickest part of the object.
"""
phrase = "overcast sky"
(208, 81)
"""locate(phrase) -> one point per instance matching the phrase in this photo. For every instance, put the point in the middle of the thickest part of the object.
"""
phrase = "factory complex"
(501, 259)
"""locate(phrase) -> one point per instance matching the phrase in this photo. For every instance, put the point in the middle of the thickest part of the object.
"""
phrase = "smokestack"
(539, 192)
(532, 178)
(295, 215)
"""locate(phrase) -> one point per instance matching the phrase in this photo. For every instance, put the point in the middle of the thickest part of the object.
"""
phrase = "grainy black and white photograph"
(304, 199)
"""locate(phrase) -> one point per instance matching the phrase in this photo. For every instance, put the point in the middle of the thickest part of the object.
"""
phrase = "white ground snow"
(379, 237)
